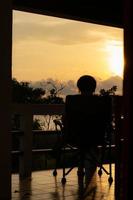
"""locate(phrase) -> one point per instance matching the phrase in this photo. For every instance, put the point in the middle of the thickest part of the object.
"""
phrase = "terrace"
(31, 184)
(99, 13)
(44, 186)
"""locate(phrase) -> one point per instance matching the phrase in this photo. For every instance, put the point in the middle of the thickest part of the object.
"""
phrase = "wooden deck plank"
(43, 186)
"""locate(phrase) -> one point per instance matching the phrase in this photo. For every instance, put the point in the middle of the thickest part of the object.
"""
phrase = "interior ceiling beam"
(94, 11)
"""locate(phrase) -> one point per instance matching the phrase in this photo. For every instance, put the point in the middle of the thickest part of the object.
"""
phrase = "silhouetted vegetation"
(22, 92)
(53, 96)
(110, 91)
(36, 125)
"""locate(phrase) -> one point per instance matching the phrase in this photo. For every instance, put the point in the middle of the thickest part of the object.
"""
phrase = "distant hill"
(70, 85)
(108, 83)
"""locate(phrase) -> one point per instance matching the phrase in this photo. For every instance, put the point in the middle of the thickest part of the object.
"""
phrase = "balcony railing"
(26, 112)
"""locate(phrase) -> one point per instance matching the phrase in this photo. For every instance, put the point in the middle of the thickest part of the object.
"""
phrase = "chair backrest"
(86, 119)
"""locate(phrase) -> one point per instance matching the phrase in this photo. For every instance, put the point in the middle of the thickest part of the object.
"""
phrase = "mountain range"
(69, 87)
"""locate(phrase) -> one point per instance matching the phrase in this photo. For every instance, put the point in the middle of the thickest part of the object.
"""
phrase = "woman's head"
(86, 84)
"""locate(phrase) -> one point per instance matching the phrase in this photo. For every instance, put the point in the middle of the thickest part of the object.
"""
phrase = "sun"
(116, 58)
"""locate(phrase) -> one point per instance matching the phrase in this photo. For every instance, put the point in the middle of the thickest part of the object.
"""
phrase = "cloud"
(59, 31)
(70, 85)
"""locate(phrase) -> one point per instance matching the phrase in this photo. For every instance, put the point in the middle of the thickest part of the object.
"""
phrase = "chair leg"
(80, 171)
(110, 179)
(101, 162)
(55, 172)
(63, 180)
(57, 161)
(65, 173)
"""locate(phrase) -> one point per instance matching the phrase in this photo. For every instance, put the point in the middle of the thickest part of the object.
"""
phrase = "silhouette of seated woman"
(87, 85)
(99, 123)
(82, 113)
(78, 129)
(85, 122)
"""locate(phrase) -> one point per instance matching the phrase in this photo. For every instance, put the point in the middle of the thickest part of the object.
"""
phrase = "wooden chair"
(87, 123)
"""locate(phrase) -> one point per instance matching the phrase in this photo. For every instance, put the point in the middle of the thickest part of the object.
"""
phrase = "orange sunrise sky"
(48, 47)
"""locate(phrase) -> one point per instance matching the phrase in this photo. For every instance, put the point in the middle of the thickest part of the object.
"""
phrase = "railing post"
(25, 160)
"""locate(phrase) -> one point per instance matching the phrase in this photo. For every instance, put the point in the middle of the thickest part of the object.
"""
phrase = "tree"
(22, 92)
(110, 91)
(53, 96)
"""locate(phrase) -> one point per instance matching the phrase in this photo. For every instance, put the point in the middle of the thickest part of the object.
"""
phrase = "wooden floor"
(43, 186)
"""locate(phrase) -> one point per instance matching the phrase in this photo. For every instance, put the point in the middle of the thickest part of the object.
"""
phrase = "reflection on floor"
(43, 186)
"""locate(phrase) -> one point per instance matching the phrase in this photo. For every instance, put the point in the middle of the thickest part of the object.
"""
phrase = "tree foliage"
(110, 91)
(22, 92)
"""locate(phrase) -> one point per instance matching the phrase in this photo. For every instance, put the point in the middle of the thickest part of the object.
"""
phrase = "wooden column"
(5, 98)
(127, 155)
(118, 111)
(25, 160)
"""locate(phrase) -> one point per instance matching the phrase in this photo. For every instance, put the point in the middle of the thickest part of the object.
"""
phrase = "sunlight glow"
(116, 60)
